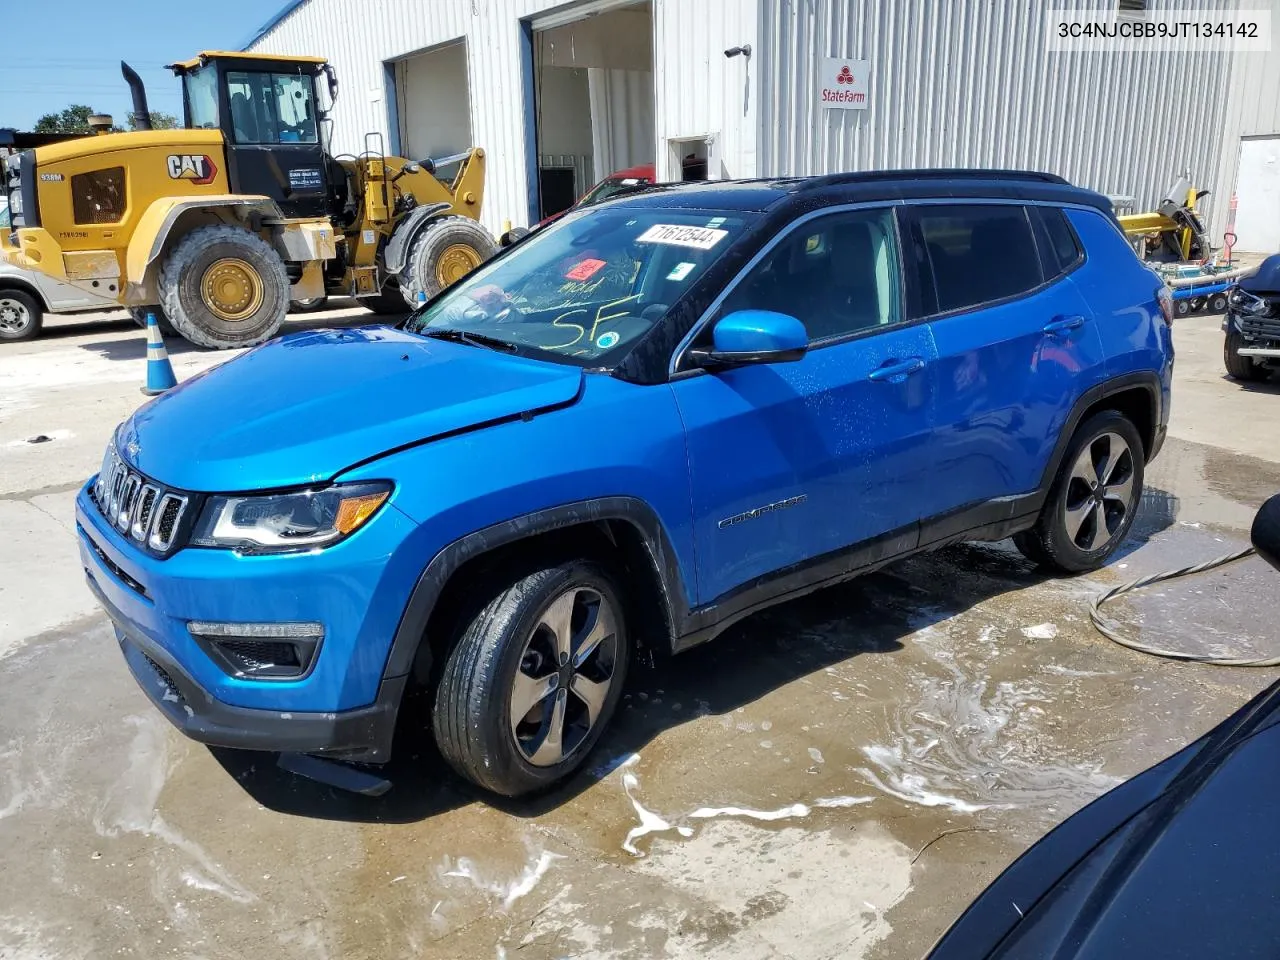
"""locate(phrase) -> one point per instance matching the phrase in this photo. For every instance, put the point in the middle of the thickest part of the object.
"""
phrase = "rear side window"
(975, 254)
(1059, 249)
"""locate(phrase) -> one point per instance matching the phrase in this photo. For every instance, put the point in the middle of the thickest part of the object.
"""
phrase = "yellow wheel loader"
(219, 226)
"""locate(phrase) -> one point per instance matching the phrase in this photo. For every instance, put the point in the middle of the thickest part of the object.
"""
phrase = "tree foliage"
(75, 119)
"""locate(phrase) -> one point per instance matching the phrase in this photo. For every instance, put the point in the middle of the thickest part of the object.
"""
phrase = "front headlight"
(280, 522)
(15, 203)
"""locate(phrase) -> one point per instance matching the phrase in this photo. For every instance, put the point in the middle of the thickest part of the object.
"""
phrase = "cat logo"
(196, 168)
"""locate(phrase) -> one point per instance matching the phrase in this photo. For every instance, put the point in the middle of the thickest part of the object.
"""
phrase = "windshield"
(611, 186)
(588, 287)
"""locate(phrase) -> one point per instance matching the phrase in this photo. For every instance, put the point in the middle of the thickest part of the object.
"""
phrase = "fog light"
(259, 651)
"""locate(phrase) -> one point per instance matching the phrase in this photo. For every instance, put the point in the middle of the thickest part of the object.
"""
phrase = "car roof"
(869, 186)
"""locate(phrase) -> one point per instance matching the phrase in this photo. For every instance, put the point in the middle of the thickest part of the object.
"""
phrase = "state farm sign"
(843, 84)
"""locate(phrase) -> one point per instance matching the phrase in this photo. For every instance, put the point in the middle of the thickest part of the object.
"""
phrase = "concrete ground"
(835, 778)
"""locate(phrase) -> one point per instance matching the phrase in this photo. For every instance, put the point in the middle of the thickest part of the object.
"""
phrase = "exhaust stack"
(141, 115)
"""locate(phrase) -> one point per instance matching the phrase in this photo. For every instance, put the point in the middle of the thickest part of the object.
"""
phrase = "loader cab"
(270, 117)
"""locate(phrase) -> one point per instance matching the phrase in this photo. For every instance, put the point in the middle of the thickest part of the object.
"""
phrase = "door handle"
(895, 371)
(1063, 325)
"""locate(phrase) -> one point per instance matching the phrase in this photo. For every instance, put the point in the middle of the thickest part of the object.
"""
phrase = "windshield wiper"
(454, 335)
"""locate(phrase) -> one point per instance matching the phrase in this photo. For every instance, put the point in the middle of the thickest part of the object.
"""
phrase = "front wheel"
(1238, 367)
(442, 254)
(224, 286)
(533, 680)
(1093, 500)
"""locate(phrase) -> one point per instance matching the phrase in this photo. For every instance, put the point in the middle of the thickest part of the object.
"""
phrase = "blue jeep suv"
(633, 428)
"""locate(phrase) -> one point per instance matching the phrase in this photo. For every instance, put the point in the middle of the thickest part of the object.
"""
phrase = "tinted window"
(977, 254)
(838, 274)
(271, 107)
(1059, 251)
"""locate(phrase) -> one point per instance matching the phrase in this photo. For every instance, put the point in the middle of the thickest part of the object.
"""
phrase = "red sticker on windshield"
(585, 270)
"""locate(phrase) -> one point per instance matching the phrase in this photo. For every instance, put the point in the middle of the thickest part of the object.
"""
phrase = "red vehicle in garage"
(617, 182)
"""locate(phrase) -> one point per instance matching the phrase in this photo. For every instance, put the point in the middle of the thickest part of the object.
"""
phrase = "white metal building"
(561, 94)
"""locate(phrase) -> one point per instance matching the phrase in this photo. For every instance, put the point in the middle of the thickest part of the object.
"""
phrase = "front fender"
(157, 223)
(406, 232)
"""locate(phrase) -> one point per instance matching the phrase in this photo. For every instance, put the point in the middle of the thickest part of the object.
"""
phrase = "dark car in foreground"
(1251, 347)
(1182, 861)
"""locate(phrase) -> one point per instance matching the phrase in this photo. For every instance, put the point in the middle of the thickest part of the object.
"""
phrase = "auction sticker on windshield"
(700, 238)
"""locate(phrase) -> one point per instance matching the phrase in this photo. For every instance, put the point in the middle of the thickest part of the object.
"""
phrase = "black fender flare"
(397, 252)
(1145, 379)
(431, 583)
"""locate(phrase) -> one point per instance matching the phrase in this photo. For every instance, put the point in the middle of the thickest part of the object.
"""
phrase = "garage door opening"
(593, 99)
(433, 103)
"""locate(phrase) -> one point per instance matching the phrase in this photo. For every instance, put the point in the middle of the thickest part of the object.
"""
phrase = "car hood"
(303, 408)
(1183, 879)
(1177, 862)
(1264, 280)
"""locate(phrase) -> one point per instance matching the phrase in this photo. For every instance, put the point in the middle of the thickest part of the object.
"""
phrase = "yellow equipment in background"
(219, 226)
(1172, 232)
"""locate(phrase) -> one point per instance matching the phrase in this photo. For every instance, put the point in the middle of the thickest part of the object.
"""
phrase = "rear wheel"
(21, 315)
(139, 315)
(445, 252)
(223, 286)
(533, 680)
(389, 301)
(1093, 500)
(310, 305)
(1238, 367)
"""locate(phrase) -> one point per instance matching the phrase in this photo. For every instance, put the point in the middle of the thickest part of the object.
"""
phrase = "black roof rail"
(934, 173)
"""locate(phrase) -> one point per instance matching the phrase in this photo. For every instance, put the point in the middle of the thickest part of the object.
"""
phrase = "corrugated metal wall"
(698, 91)
(959, 83)
(358, 37)
(1252, 109)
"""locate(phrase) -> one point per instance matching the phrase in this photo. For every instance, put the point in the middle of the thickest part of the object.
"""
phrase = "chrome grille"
(138, 508)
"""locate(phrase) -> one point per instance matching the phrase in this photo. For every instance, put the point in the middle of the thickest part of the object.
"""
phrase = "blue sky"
(57, 53)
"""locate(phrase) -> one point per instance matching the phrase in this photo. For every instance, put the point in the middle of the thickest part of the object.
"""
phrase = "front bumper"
(363, 734)
(344, 706)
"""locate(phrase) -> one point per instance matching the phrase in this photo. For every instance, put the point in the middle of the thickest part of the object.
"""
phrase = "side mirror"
(1266, 532)
(753, 336)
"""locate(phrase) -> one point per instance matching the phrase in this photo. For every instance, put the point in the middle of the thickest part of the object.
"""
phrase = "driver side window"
(838, 274)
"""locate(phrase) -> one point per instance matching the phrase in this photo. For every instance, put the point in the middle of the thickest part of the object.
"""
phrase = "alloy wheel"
(566, 669)
(1100, 492)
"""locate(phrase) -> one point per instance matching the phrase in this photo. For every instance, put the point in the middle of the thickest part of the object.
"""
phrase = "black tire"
(1051, 542)
(440, 253)
(310, 305)
(139, 315)
(471, 717)
(183, 275)
(387, 302)
(1238, 367)
(21, 316)
(1182, 308)
(1218, 303)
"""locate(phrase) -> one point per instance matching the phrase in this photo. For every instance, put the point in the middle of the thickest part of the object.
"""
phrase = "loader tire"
(445, 252)
(387, 302)
(139, 315)
(223, 286)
